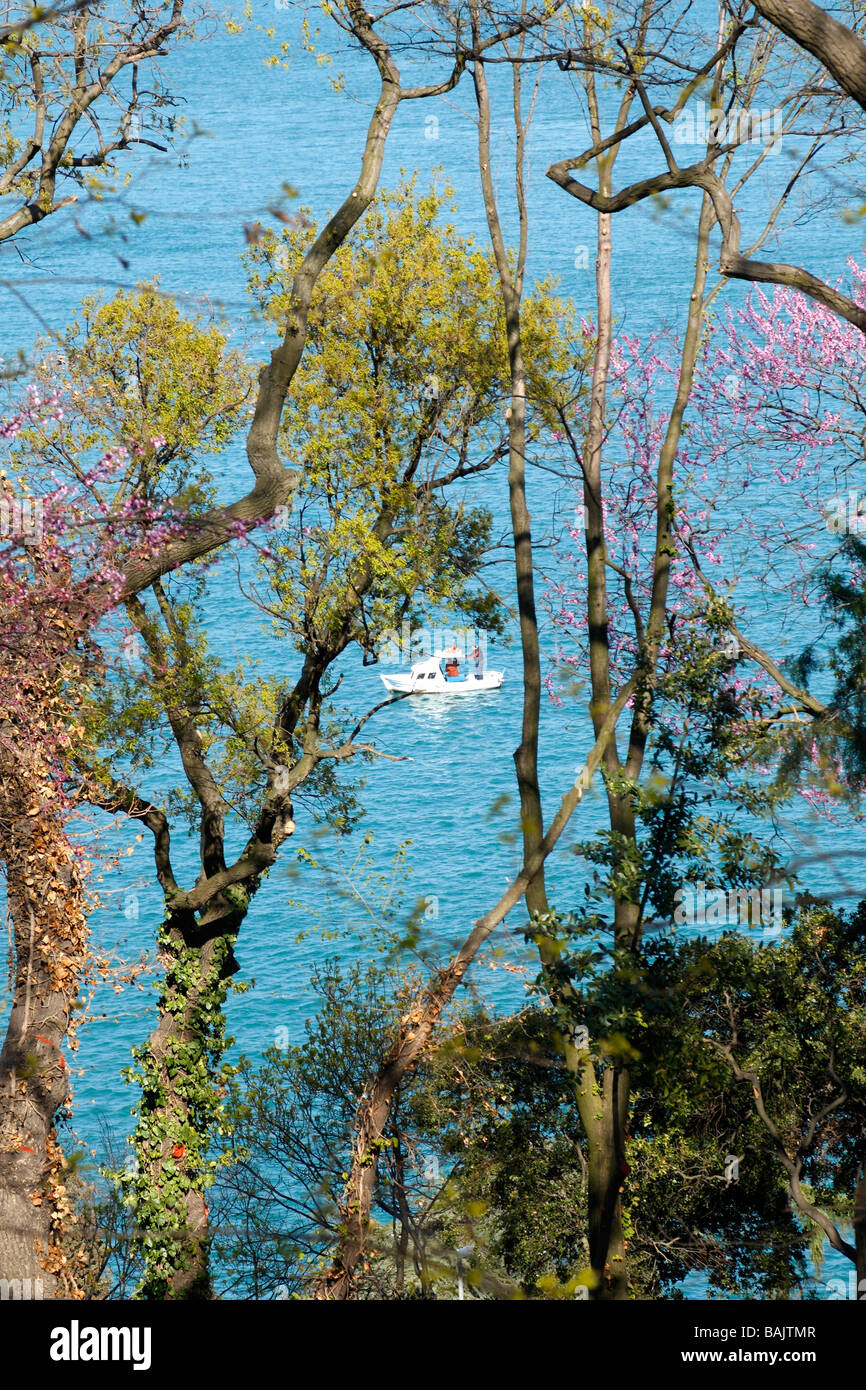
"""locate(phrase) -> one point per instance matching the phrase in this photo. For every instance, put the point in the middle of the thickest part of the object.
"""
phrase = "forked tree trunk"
(176, 1065)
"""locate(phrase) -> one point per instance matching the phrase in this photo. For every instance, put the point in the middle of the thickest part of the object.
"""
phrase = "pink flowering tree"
(767, 520)
(698, 701)
(779, 431)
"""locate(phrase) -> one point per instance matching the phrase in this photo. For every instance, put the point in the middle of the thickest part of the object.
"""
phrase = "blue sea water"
(258, 128)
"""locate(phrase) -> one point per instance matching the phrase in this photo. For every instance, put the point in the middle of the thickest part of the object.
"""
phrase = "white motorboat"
(435, 675)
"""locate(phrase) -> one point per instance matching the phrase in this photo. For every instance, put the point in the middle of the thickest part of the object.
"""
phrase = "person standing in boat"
(479, 663)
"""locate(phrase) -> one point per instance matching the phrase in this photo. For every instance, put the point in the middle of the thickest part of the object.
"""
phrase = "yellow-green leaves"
(401, 393)
(136, 374)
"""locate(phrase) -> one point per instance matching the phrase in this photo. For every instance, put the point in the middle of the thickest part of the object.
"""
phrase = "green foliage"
(288, 1128)
(400, 393)
(136, 374)
(398, 397)
(693, 1015)
(698, 811)
(845, 600)
(494, 1105)
(497, 1104)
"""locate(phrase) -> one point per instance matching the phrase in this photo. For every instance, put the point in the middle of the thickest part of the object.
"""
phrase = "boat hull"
(475, 685)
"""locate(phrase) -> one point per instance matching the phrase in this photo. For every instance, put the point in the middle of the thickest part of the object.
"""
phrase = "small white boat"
(428, 677)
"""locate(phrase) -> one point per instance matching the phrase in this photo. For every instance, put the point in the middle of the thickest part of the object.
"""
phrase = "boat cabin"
(443, 666)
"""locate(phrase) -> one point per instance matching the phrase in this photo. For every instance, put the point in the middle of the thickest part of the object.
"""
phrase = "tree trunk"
(46, 908)
(180, 1103)
(860, 1232)
(607, 1172)
(511, 286)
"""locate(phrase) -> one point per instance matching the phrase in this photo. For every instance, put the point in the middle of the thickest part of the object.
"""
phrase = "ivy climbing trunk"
(178, 1073)
(46, 905)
